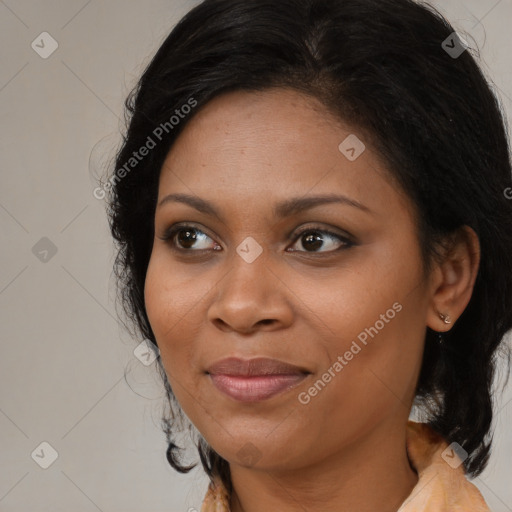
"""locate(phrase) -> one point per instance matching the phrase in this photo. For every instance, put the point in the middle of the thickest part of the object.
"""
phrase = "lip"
(252, 380)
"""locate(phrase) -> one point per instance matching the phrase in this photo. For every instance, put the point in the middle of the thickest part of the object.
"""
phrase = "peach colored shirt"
(442, 485)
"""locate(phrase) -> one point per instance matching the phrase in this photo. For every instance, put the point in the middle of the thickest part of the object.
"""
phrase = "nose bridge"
(248, 293)
(249, 266)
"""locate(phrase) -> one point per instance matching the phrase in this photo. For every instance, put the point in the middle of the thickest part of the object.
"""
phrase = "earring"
(445, 318)
(440, 339)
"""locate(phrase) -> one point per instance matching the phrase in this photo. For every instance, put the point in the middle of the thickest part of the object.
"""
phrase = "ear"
(453, 279)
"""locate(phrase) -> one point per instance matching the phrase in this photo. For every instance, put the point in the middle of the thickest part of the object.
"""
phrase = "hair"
(380, 67)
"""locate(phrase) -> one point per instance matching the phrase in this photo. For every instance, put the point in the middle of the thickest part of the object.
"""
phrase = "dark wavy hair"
(380, 66)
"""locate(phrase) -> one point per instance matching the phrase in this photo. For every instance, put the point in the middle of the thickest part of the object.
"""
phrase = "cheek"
(172, 309)
(172, 298)
(371, 375)
(375, 342)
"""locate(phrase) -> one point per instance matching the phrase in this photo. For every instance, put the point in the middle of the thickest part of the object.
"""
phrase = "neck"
(373, 473)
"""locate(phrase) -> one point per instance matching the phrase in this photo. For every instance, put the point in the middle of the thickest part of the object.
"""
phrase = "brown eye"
(188, 238)
(313, 240)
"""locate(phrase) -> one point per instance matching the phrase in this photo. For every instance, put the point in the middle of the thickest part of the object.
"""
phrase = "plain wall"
(64, 356)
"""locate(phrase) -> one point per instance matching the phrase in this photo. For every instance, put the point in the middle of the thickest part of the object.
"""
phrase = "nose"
(250, 297)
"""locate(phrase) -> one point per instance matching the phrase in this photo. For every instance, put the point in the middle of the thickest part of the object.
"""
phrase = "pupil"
(314, 240)
(187, 237)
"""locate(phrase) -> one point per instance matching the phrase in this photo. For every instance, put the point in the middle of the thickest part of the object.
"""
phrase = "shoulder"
(442, 485)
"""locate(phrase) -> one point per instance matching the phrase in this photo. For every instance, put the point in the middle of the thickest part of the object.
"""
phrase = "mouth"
(254, 380)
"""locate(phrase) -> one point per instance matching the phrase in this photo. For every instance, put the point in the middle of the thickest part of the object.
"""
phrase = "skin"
(345, 449)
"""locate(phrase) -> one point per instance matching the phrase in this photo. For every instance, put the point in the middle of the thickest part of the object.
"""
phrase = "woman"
(311, 212)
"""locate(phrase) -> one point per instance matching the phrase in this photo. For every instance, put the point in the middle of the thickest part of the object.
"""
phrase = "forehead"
(258, 120)
(246, 146)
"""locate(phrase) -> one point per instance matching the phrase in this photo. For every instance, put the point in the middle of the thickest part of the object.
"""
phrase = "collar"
(442, 484)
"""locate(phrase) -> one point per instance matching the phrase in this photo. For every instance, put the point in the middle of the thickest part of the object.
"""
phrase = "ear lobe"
(454, 280)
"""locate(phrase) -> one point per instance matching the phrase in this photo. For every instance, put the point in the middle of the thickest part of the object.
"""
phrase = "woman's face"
(345, 303)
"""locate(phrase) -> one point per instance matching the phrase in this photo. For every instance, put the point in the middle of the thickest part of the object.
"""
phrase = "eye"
(317, 238)
(186, 237)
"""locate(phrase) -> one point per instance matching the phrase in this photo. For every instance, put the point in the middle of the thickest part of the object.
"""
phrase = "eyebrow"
(283, 209)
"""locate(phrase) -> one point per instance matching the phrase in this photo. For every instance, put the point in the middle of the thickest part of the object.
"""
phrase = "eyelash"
(173, 230)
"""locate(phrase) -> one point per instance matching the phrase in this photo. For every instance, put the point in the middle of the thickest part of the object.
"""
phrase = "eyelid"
(342, 235)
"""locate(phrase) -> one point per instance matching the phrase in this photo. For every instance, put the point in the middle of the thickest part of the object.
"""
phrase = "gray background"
(64, 355)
